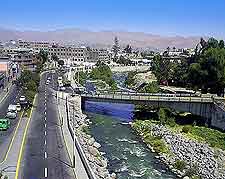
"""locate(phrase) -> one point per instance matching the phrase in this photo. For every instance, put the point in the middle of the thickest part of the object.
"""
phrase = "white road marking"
(45, 133)
(45, 125)
(46, 172)
(45, 111)
(46, 155)
(45, 142)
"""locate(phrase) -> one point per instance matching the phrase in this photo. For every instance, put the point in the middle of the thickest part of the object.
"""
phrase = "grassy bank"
(143, 128)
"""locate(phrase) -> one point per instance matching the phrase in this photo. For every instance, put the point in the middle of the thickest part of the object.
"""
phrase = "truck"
(4, 124)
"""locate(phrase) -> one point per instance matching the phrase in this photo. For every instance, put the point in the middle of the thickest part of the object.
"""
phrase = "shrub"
(180, 165)
(192, 171)
(171, 122)
(186, 129)
(86, 129)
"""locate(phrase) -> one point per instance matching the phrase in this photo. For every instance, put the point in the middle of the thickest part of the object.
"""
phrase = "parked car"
(4, 124)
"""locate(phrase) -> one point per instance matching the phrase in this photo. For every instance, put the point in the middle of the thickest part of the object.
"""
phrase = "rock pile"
(207, 162)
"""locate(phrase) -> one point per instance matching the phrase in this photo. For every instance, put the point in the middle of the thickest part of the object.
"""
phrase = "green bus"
(4, 124)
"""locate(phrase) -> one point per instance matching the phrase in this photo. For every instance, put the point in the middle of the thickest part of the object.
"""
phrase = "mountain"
(100, 38)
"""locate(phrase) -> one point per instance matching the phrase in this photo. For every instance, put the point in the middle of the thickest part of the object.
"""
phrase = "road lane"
(45, 150)
(6, 136)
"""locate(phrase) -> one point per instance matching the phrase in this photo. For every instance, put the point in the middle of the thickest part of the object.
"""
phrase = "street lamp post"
(73, 138)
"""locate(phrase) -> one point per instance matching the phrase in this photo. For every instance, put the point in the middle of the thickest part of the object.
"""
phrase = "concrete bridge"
(211, 108)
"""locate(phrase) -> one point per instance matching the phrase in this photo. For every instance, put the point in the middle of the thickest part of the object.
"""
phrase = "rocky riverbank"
(186, 157)
(90, 146)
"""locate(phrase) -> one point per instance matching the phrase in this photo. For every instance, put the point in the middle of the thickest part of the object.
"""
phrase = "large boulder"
(94, 151)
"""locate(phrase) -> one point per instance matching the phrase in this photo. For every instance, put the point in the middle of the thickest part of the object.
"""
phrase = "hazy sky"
(164, 17)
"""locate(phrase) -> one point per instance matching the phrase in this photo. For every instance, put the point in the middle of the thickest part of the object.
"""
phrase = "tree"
(162, 116)
(55, 58)
(168, 49)
(221, 44)
(61, 62)
(212, 43)
(44, 56)
(152, 87)
(161, 68)
(128, 49)
(123, 60)
(116, 47)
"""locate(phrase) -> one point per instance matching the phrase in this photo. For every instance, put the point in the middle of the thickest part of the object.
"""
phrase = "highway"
(45, 154)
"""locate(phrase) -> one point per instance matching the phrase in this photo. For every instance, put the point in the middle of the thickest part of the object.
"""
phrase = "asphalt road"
(45, 154)
(5, 136)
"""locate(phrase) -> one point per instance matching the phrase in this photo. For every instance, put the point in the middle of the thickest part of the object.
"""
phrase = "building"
(94, 55)
(4, 64)
(36, 46)
(72, 54)
(21, 56)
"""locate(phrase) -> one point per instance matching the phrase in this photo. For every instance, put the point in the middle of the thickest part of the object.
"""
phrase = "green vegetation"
(143, 128)
(152, 87)
(205, 70)
(192, 172)
(29, 82)
(82, 77)
(180, 165)
(104, 73)
(123, 60)
(116, 48)
(211, 136)
(164, 116)
(130, 78)
(86, 130)
(162, 68)
(186, 129)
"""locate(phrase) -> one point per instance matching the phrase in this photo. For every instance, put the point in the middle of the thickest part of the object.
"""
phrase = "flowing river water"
(128, 156)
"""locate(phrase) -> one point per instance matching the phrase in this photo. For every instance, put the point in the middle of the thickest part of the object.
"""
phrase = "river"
(128, 156)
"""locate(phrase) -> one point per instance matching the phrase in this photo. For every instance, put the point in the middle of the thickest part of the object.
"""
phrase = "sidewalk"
(79, 167)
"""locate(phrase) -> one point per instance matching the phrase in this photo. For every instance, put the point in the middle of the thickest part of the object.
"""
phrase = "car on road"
(47, 82)
(22, 98)
(4, 124)
(23, 101)
(18, 107)
(11, 115)
(49, 78)
(62, 88)
(12, 108)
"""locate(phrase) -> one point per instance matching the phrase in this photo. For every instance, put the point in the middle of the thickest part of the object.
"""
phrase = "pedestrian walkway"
(79, 167)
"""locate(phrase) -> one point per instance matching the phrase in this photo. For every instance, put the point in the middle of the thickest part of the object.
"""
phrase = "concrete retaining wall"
(88, 169)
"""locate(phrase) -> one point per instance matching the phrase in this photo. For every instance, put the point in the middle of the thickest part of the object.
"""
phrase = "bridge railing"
(136, 97)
